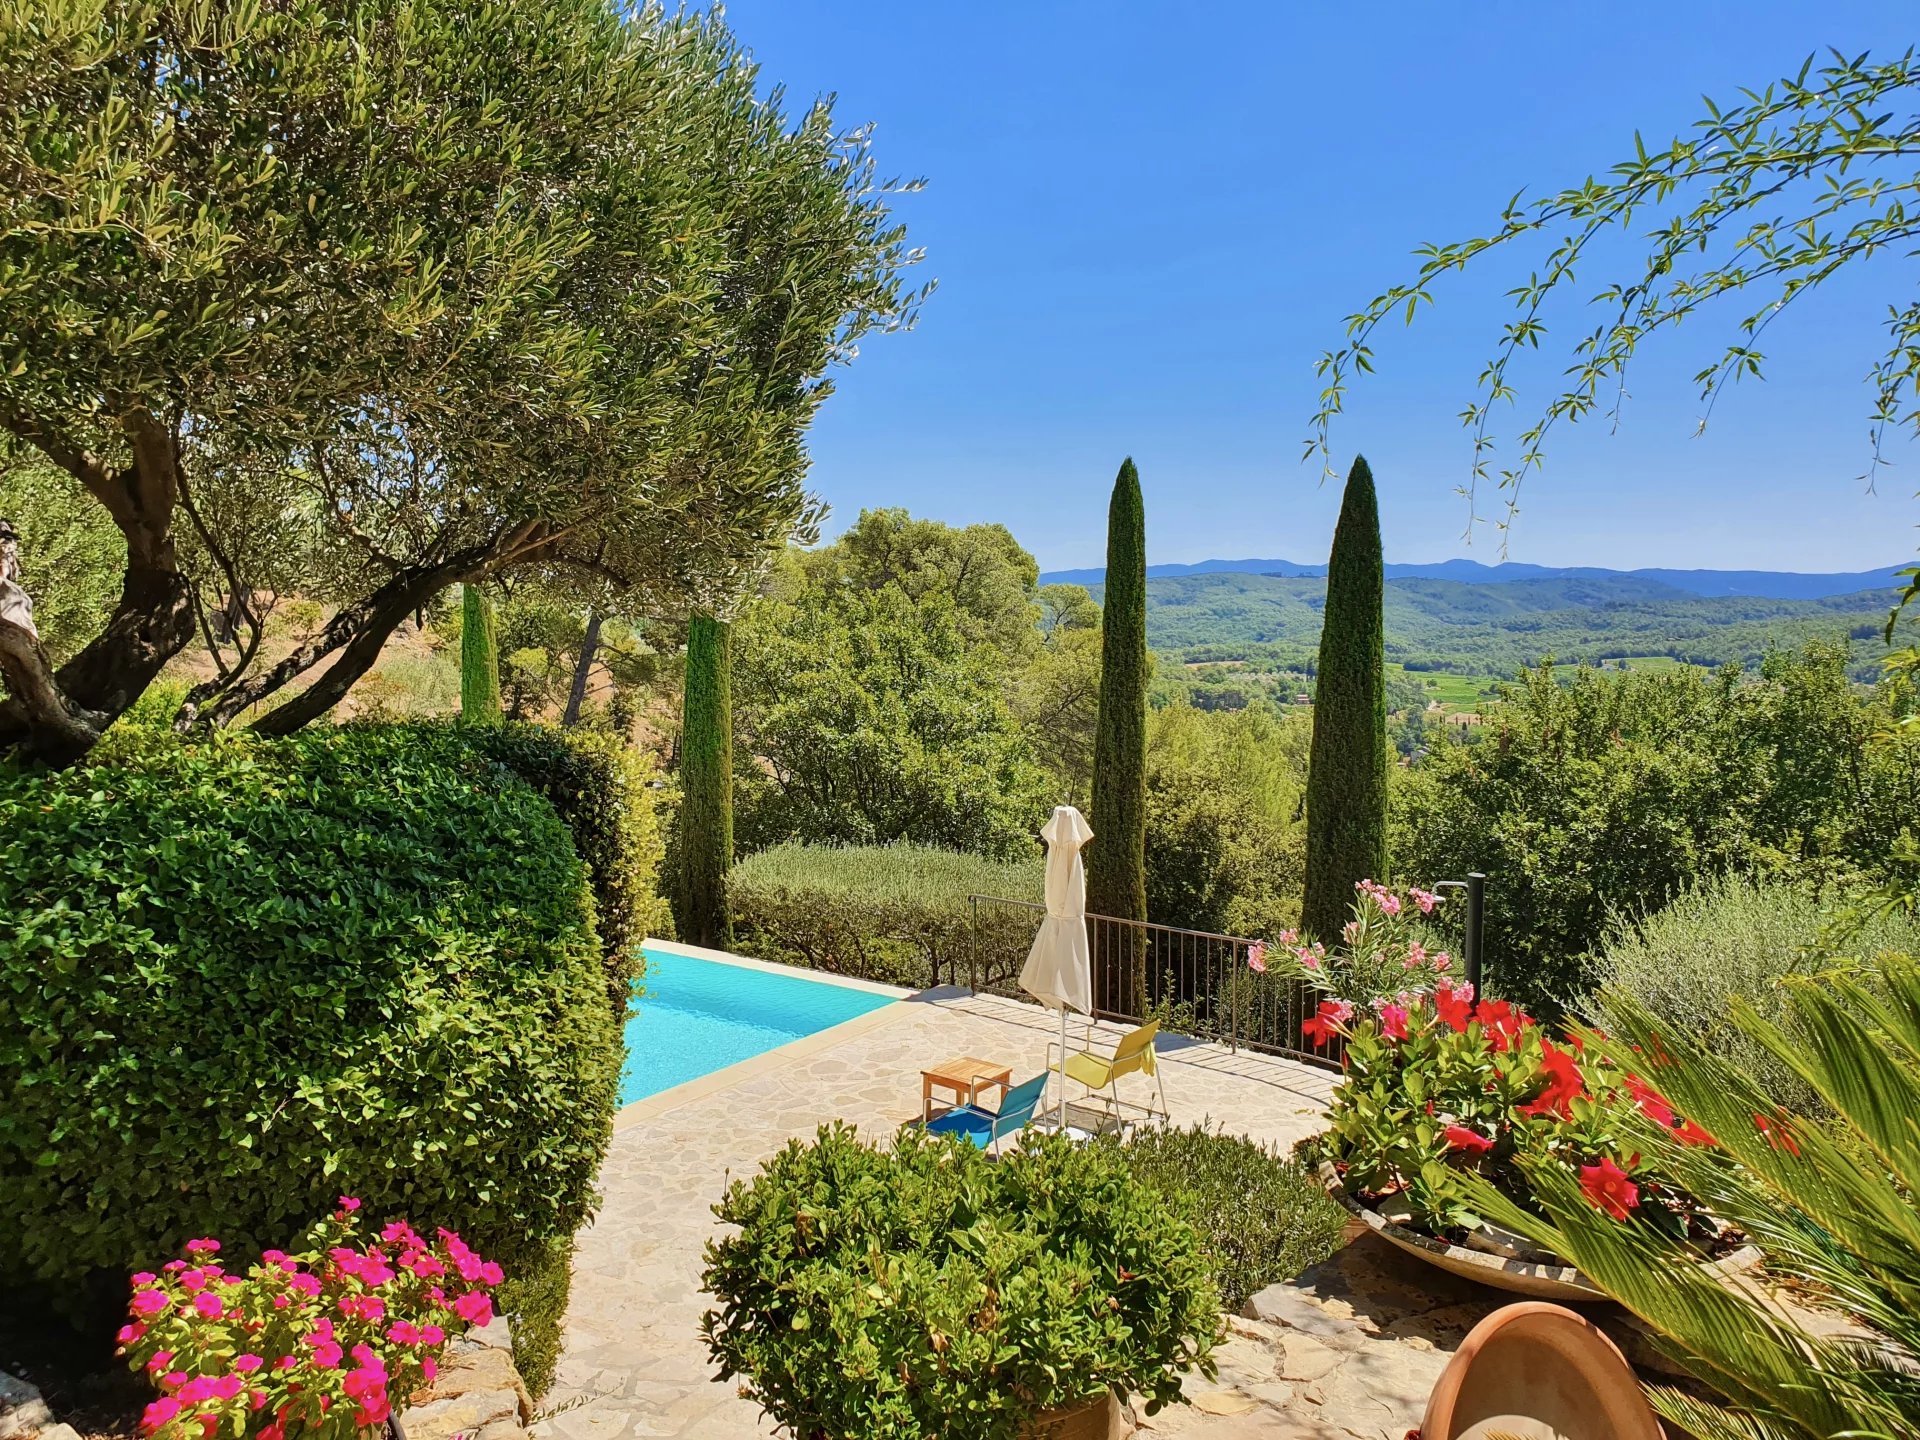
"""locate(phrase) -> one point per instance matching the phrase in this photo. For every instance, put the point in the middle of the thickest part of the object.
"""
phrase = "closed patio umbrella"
(1059, 971)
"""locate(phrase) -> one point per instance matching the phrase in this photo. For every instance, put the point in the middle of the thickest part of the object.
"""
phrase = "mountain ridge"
(1758, 584)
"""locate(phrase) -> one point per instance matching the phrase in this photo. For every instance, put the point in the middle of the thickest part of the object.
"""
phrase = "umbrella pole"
(1062, 1120)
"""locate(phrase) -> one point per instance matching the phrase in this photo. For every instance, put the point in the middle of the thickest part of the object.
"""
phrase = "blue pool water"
(698, 1016)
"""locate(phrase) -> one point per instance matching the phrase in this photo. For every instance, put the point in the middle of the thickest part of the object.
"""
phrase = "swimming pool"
(698, 1016)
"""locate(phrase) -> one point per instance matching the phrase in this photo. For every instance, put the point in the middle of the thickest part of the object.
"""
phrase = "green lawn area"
(1456, 692)
(1652, 662)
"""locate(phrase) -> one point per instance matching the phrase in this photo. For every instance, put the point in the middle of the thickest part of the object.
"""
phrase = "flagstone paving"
(1348, 1350)
(634, 1363)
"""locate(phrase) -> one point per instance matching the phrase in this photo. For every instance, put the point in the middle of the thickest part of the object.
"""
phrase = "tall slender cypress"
(1117, 855)
(706, 779)
(479, 659)
(1347, 774)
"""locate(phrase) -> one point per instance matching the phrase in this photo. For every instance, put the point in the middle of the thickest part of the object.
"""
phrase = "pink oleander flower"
(1443, 962)
(1350, 931)
(1425, 899)
(1388, 902)
(1257, 957)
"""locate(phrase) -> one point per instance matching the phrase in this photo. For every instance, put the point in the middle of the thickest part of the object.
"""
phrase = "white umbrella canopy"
(1059, 969)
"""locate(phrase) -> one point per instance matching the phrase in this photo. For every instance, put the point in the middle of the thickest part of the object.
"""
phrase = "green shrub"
(1262, 1217)
(602, 789)
(932, 1291)
(893, 913)
(1735, 938)
(242, 977)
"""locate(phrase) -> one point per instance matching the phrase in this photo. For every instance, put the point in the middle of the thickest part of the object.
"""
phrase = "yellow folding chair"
(1102, 1072)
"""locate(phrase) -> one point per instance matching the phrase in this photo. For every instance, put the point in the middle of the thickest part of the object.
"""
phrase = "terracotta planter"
(1544, 1279)
(1538, 1372)
(1101, 1418)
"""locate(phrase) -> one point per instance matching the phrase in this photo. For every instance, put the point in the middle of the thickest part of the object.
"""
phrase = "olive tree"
(423, 293)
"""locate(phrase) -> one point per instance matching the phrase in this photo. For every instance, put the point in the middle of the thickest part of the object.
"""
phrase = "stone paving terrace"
(634, 1363)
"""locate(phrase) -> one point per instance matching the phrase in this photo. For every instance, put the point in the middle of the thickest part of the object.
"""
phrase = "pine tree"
(1117, 855)
(1347, 774)
(706, 780)
(479, 659)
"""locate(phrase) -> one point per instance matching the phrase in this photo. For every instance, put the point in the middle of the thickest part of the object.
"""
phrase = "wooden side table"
(962, 1077)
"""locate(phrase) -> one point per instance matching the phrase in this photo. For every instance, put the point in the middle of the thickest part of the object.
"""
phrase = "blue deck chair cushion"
(983, 1126)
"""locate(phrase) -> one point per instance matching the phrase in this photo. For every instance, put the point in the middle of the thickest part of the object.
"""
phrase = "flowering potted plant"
(326, 1343)
(1440, 1085)
(1383, 949)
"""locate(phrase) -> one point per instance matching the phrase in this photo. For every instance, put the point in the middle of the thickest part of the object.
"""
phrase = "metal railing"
(1194, 982)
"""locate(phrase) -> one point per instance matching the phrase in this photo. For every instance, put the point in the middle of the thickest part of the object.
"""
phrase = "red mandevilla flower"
(1608, 1189)
(1564, 1083)
(1467, 1142)
(1651, 1102)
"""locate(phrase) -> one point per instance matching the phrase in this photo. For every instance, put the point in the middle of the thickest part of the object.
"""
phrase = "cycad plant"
(1832, 1203)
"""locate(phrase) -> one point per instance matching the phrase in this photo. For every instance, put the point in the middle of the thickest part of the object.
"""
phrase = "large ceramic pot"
(1542, 1277)
(1538, 1372)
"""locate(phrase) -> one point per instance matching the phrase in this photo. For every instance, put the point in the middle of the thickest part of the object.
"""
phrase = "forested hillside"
(1496, 629)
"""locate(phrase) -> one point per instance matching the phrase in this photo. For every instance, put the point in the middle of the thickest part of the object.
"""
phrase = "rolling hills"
(1764, 584)
(1495, 628)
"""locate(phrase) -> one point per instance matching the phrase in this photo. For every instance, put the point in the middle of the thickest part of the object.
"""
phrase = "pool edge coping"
(747, 962)
(649, 1107)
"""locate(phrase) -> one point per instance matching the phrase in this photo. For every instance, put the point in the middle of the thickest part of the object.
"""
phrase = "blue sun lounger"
(986, 1128)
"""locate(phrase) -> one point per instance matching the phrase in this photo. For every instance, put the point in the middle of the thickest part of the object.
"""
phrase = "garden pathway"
(634, 1363)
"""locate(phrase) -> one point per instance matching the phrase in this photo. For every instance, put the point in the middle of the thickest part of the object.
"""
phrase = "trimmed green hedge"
(601, 788)
(242, 977)
(892, 913)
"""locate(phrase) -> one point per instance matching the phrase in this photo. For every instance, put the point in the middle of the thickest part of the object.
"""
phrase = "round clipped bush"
(1263, 1217)
(242, 977)
(929, 1290)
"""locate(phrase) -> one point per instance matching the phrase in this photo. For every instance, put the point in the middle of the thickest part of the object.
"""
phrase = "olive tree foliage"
(417, 295)
(71, 549)
(1762, 203)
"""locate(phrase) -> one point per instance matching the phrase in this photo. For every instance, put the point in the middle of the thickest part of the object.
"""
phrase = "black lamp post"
(1476, 887)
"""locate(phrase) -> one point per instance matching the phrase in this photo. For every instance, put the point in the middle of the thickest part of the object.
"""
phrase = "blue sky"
(1148, 219)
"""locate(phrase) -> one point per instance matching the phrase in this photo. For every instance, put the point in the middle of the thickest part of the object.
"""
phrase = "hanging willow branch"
(1771, 196)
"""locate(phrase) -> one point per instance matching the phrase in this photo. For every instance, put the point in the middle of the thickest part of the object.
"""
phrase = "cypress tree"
(1347, 771)
(479, 659)
(706, 781)
(1117, 854)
